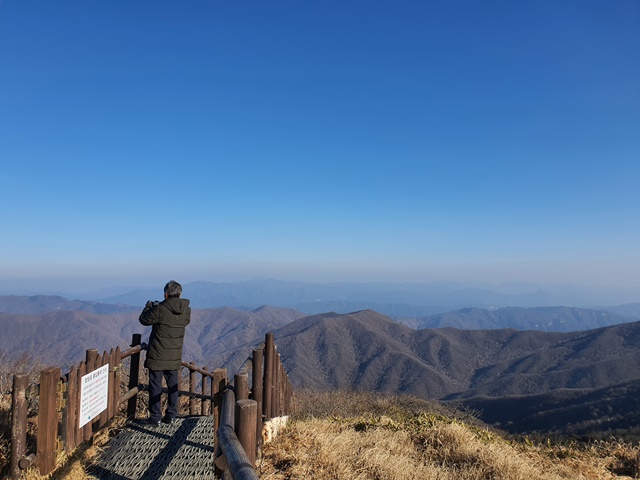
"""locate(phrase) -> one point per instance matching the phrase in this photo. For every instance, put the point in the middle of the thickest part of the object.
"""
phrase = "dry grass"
(68, 468)
(357, 436)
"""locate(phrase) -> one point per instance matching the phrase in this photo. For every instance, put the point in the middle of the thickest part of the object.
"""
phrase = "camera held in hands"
(152, 303)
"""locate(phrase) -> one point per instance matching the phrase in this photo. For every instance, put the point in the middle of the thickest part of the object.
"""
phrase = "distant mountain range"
(552, 319)
(367, 350)
(37, 304)
(62, 336)
(394, 299)
(549, 319)
(522, 379)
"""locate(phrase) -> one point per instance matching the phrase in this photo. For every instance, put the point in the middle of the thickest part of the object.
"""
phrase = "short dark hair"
(173, 289)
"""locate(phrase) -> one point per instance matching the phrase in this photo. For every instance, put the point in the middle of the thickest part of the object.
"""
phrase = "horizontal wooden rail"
(131, 351)
(130, 394)
(202, 371)
(235, 457)
(258, 392)
(244, 410)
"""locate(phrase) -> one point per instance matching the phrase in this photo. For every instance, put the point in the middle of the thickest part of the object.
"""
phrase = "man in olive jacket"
(168, 320)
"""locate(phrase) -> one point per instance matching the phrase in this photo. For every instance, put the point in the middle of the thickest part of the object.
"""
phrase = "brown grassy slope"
(591, 412)
(365, 350)
(349, 436)
(355, 435)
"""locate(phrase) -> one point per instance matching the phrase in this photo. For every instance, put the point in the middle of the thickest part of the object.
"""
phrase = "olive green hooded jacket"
(168, 320)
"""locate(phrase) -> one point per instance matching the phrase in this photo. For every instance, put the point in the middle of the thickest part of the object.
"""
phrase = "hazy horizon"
(328, 141)
(99, 289)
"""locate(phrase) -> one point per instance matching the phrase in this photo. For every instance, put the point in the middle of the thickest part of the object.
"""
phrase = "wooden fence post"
(268, 376)
(241, 384)
(192, 389)
(246, 418)
(70, 411)
(274, 384)
(48, 420)
(19, 407)
(278, 387)
(111, 405)
(116, 380)
(256, 391)
(206, 391)
(79, 432)
(218, 384)
(282, 387)
(104, 415)
(134, 377)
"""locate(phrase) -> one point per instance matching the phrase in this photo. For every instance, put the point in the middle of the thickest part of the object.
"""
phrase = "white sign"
(94, 394)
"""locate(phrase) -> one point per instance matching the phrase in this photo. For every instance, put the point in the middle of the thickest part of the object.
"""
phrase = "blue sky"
(320, 141)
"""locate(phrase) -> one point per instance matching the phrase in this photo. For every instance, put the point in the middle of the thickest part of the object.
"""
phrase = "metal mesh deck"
(181, 450)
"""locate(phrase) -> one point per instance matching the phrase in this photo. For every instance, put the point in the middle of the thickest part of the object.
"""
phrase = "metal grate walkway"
(181, 450)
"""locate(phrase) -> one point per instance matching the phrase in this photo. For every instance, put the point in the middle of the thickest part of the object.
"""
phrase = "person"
(168, 320)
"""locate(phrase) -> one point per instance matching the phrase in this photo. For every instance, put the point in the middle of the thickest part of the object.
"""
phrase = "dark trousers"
(171, 377)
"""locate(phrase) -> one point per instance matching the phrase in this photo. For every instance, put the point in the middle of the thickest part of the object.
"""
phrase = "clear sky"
(319, 140)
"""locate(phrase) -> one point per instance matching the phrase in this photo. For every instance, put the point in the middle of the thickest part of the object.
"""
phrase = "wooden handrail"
(132, 392)
(236, 458)
(202, 371)
(240, 413)
(131, 351)
(240, 431)
(231, 454)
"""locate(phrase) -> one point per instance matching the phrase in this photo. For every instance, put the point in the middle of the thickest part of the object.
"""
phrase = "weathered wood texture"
(236, 458)
(48, 419)
(268, 376)
(134, 376)
(241, 384)
(240, 435)
(19, 410)
(256, 391)
(70, 414)
(269, 396)
(246, 419)
(206, 391)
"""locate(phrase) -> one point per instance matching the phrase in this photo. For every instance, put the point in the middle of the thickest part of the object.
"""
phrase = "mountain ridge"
(558, 318)
(480, 362)
(61, 337)
(366, 350)
(319, 297)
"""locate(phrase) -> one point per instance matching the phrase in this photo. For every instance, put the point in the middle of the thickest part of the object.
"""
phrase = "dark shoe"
(168, 420)
(150, 422)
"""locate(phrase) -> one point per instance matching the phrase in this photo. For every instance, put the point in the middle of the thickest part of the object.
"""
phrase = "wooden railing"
(234, 406)
(244, 410)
